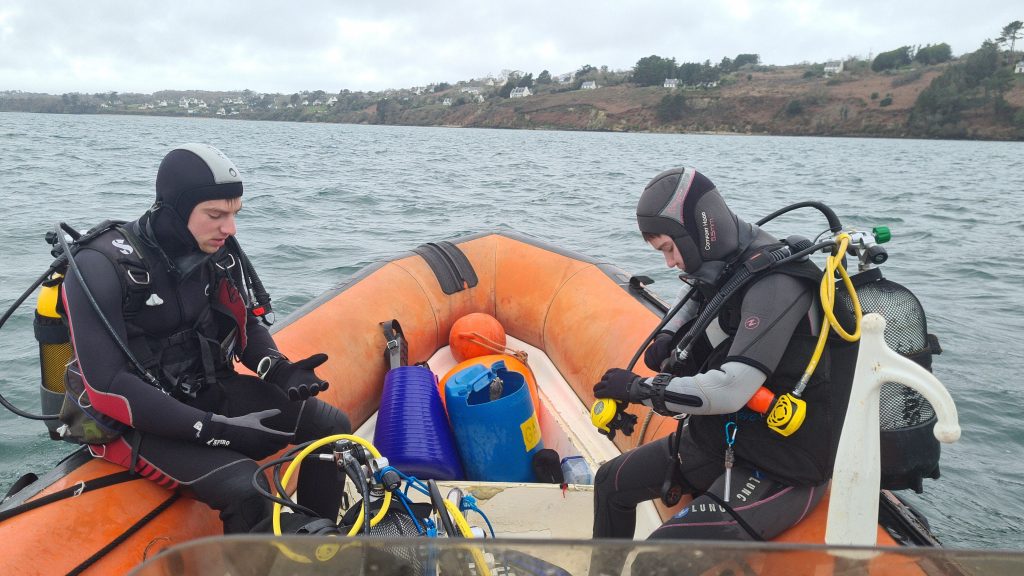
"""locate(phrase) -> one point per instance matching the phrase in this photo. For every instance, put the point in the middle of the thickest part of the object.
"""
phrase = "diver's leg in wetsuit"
(319, 486)
(219, 477)
(624, 482)
(765, 508)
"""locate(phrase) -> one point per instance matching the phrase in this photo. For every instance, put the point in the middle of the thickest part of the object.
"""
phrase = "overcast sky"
(282, 46)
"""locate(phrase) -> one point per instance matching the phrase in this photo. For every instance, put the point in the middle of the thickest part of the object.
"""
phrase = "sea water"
(324, 200)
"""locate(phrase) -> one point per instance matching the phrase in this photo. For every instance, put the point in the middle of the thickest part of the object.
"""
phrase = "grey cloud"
(284, 47)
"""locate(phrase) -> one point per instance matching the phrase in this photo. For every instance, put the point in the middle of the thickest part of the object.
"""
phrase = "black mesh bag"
(909, 449)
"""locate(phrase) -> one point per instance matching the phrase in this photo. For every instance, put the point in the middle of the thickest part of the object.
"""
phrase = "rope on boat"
(79, 488)
(481, 340)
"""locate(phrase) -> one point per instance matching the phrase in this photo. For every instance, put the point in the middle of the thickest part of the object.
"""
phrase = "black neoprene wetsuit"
(765, 497)
(162, 424)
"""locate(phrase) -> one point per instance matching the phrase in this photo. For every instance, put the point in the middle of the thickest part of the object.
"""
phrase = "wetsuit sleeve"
(771, 310)
(688, 312)
(112, 387)
(721, 391)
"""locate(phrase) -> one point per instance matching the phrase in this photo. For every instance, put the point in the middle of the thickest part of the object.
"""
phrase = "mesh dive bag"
(909, 449)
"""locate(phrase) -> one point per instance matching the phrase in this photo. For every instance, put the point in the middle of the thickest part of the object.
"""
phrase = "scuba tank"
(909, 450)
(51, 332)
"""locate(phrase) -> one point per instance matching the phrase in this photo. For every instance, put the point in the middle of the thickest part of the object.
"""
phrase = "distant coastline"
(797, 100)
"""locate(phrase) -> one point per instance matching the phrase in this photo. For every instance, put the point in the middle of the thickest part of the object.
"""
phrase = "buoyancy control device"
(51, 330)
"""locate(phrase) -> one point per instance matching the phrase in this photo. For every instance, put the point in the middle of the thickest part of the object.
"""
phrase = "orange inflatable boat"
(576, 315)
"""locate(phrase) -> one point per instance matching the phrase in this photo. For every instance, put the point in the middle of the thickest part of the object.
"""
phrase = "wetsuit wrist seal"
(656, 391)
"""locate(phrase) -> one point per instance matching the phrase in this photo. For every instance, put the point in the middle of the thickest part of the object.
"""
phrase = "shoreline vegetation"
(909, 92)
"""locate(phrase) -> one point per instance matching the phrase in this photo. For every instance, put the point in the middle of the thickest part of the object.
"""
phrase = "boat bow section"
(580, 311)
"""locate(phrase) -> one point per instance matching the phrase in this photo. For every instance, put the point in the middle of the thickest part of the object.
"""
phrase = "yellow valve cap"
(602, 413)
(787, 415)
(46, 304)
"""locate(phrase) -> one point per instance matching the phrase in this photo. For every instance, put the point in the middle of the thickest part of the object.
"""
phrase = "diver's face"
(212, 221)
(663, 243)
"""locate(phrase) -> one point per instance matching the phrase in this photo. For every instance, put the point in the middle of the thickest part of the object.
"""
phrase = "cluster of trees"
(653, 70)
(977, 80)
(904, 55)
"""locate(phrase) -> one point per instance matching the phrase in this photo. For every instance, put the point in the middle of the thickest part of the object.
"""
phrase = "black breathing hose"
(654, 333)
(10, 311)
(253, 282)
(834, 225)
(833, 221)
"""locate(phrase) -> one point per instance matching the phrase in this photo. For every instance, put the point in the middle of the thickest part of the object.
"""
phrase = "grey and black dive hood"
(188, 175)
(685, 205)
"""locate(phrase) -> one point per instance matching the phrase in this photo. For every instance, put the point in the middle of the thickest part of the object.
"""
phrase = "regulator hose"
(306, 452)
(3, 319)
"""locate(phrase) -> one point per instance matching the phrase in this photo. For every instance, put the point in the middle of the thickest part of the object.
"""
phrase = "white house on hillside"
(671, 83)
(589, 85)
(834, 67)
(1019, 68)
(520, 92)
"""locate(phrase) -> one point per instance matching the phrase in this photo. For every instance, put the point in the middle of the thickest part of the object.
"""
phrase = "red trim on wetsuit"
(113, 405)
(120, 452)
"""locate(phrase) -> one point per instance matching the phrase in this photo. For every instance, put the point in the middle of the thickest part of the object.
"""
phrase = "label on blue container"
(531, 432)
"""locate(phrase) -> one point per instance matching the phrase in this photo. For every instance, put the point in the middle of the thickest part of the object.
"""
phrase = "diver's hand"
(658, 351)
(245, 434)
(617, 384)
(296, 379)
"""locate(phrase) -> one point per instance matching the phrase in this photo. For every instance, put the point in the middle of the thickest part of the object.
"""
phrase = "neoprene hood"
(188, 175)
(685, 205)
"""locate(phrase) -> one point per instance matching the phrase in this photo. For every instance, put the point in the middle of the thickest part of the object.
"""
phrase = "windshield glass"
(266, 555)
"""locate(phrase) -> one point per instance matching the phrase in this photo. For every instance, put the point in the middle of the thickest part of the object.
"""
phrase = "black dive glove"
(618, 384)
(296, 379)
(659, 351)
(245, 434)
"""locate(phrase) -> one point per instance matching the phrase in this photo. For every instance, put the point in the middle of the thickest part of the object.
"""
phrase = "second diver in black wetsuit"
(763, 336)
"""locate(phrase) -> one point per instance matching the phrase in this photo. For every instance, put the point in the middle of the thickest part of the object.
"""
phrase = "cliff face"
(779, 101)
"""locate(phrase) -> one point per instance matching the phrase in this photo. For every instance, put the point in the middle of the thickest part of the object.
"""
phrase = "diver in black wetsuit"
(201, 425)
(763, 336)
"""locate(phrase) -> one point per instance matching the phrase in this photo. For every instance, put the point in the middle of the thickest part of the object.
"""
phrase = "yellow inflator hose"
(827, 294)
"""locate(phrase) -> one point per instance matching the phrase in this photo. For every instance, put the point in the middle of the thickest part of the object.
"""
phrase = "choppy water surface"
(323, 200)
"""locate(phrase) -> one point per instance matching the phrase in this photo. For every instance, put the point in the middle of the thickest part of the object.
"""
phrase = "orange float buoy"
(472, 332)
